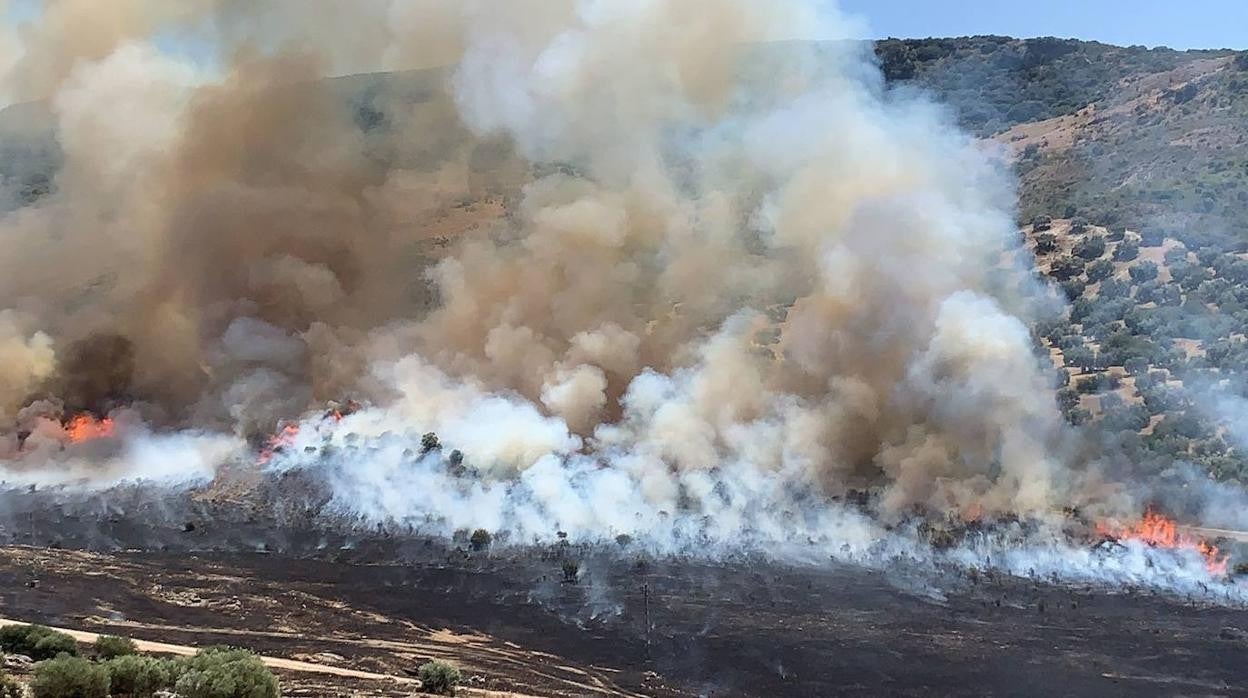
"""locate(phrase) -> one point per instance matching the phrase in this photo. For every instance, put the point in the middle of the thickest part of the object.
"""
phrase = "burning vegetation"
(86, 427)
(1159, 531)
(558, 251)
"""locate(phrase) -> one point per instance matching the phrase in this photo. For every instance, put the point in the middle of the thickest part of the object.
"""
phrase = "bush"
(1046, 243)
(36, 641)
(54, 644)
(109, 646)
(1126, 251)
(1064, 268)
(10, 688)
(139, 676)
(1114, 288)
(218, 672)
(438, 677)
(480, 539)
(1143, 272)
(1089, 248)
(1094, 383)
(69, 677)
(1073, 289)
(1100, 269)
(1151, 237)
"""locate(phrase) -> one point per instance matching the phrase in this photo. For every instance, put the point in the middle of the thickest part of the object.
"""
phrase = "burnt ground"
(731, 629)
(386, 601)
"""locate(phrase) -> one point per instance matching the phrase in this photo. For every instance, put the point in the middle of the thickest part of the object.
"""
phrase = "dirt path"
(271, 662)
(277, 663)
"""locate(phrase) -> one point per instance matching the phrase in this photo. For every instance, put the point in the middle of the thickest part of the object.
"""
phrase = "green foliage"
(139, 676)
(480, 539)
(1073, 288)
(994, 82)
(1067, 399)
(1078, 416)
(429, 442)
(1094, 383)
(36, 641)
(1099, 270)
(1151, 237)
(109, 646)
(226, 673)
(69, 677)
(1126, 251)
(1143, 271)
(1065, 267)
(1090, 247)
(1046, 243)
(438, 677)
(10, 688)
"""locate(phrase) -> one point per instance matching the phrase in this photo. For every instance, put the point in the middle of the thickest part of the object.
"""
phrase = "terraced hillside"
(1152, 347)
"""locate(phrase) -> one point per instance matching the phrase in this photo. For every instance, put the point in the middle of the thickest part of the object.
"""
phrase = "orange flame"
(85, 427)
(1161, 531)
(284, 437)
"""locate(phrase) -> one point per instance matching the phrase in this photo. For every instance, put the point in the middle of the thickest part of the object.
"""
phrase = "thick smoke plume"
(677, 269)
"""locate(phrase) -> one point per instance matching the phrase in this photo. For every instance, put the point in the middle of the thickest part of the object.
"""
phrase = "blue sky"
(1176, 23)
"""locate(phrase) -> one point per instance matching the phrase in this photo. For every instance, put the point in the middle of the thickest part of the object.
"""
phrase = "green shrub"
(1046, 243)
(13, 638)
(1089, 248)
(53, 644)
(480, 539)
(218, 672)
(1100, 269)
(36, 641)
(69, 677)
(1126, 251)
(9, 688)
(109, 646)
(438, 677)
(138, 676)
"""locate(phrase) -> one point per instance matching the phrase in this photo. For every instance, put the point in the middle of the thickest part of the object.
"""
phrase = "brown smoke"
(603, 210)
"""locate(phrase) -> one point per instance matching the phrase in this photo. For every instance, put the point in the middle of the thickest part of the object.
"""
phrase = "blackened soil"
(731, 629)
(613, 622)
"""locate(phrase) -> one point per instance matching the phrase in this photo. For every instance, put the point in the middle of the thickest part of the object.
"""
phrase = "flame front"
(1160, 531)
(85, 427)
(284, 437)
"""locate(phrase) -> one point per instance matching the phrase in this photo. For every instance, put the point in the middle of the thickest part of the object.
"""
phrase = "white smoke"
(741, 280)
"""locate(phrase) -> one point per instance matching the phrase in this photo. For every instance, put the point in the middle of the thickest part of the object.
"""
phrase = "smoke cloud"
(681, 270)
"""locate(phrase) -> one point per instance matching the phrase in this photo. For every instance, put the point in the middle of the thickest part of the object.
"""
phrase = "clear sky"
(1179, 24)
(1175, 23)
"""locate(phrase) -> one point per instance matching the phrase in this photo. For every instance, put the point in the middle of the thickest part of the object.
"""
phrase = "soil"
(512, 624)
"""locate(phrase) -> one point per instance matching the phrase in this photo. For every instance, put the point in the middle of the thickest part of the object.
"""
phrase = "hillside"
(1149, 138)
(1133, 182)
(1133, 195)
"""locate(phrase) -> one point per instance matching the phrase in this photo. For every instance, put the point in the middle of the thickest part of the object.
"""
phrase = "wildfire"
(85, 427)
(286, 435)
(283, 438)
(1161, 531)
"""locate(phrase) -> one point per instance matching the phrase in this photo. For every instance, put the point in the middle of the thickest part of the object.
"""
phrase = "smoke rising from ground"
(713, 278)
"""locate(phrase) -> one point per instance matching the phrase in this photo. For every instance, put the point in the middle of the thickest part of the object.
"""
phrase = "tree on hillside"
(1065, 267)
(1143, 271)
(1100, 269)
(1090, 247)
(1046, 243)
(1126, 251)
